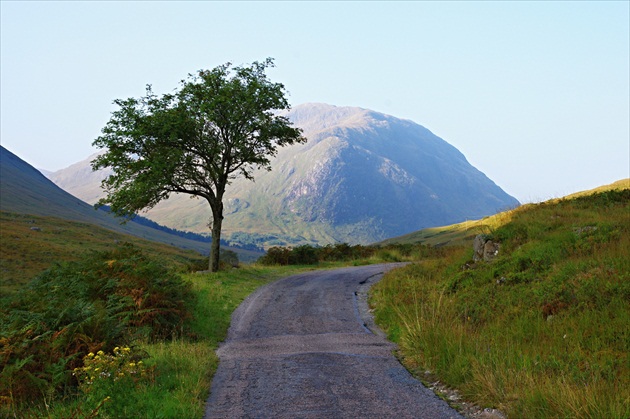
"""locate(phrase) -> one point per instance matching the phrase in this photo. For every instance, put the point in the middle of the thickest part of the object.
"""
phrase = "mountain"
(363, 176)
(25, 190)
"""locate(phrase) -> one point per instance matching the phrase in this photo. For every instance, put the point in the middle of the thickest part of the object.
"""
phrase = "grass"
(540, 332)
(24, 252)
(463, 233)
(181, 368)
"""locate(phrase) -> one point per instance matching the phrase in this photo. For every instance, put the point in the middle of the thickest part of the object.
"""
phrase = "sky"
(534, 94)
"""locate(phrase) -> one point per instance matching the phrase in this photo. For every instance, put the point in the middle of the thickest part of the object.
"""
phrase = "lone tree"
(220, 124)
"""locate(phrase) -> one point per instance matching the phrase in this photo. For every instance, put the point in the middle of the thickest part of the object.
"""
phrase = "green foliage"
(177, 372)
(219, 125)
(539, 332)
(229, 258)
(105, 300)
(25, 253)
(109, 380)
(343, 252)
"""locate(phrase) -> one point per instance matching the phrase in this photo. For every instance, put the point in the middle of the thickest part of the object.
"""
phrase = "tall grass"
(540, 332)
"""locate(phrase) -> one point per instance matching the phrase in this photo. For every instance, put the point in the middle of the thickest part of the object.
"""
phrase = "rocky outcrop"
(485, 248)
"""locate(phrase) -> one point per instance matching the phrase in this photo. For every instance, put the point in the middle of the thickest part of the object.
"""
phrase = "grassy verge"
(178, 371)
(185, 368)
(540, 332)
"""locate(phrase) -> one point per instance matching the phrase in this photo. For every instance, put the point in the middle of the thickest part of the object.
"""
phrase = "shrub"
(343, 252)
(276, 256)
(105, 300)
(303, 255)
(108, 379)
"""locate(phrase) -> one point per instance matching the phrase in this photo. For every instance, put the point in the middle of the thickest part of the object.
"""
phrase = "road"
(302, 347)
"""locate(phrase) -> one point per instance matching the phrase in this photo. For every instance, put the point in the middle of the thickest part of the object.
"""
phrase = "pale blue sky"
(535, 94)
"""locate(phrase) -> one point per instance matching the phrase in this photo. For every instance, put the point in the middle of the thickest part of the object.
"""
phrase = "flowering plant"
(106, 377)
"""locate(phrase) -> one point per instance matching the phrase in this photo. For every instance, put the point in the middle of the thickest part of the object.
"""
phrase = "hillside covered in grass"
(26, 192)
(542, 331)
(465, 232)
(30, 244)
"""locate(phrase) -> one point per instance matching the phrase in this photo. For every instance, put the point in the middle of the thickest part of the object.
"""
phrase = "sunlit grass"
(540, 332)
(30, 244)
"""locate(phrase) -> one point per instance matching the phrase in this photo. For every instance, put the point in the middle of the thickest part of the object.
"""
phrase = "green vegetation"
(29, 244)
(219, 125)
(151, 334)
(106, 300)
(542, 331)
(463, 233)
(539, 332)
(343, 252)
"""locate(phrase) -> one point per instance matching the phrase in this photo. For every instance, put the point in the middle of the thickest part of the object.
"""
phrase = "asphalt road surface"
(302, 347)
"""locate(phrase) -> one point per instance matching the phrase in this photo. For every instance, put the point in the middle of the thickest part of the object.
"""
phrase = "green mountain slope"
(29, 244)
(24, 190)
(460, 233)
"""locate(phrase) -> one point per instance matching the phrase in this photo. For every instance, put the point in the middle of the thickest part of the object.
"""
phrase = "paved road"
(301, 348)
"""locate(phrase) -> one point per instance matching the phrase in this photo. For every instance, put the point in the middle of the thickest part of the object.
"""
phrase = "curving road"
(302, 348)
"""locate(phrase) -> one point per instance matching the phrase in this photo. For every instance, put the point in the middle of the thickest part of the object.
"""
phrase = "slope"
(24, 190)
(542, 330)
(461, 233)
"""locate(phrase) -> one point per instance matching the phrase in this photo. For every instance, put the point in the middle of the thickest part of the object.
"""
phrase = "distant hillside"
(362, 177)
(24, 190)
(460, 233)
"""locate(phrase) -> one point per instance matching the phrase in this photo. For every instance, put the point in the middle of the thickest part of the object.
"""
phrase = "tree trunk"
(215, 248)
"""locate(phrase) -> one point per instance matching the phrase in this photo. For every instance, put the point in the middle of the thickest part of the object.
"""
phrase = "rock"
(36, 229)
(478, 245)
(485, 248)
(490, 250)
(584, 230)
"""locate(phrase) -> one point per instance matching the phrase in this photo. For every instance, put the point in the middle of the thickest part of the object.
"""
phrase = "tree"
(220, 124)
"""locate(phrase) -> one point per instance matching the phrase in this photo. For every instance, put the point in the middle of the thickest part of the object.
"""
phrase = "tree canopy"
(220, 124)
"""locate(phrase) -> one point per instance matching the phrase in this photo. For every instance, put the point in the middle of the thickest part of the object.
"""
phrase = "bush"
(108, 299)
(276, 256)
(108, 380)
(303, 255)
(343, 252)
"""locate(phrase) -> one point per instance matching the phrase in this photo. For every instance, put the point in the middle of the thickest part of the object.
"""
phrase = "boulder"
(485, 248)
